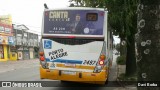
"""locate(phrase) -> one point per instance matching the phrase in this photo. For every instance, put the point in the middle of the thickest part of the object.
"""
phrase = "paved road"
(29, 71)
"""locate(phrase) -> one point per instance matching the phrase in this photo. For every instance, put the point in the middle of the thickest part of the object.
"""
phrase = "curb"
(118, 73)
(128, 87)
(118, 81)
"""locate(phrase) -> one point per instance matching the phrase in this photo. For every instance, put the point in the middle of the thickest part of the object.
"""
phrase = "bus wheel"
(63, 81)
(107, 78)
(106, 82)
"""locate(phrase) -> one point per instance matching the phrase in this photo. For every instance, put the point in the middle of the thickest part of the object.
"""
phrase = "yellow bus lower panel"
(85, 77)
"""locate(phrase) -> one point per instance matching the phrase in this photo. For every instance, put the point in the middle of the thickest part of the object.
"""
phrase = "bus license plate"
(69, 72)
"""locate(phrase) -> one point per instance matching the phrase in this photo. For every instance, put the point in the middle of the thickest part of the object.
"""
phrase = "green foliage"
(121, 60)
(89, 3)
(122, 18)
(122, 14)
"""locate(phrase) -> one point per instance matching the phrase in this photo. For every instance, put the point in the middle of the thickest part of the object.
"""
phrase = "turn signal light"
(41, 53)
(102, 57)
(42, 58)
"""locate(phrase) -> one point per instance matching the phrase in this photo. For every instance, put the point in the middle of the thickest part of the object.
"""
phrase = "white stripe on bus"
(72, 69)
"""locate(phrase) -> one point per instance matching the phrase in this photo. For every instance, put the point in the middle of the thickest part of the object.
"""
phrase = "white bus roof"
(77, 8)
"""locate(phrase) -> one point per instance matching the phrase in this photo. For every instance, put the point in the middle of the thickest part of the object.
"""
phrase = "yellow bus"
(75, 45)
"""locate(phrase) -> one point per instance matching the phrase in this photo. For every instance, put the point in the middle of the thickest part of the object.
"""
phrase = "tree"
(123, 19)
(148, 57)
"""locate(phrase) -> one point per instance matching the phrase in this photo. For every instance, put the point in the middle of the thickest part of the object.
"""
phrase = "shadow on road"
(84, 86)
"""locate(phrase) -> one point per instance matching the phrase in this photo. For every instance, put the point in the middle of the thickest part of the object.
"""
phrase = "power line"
(21, 23)
(33, 30)
(30, 30)
(27, 25)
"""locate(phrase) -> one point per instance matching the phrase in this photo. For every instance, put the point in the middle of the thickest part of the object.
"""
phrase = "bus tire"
(107, 78)
(63, 81)
(106, 82)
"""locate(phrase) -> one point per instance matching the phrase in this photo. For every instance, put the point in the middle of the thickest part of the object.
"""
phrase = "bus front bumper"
(84, 77)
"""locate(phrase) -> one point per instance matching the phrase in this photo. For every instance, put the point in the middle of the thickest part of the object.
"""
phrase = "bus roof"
(77, 8)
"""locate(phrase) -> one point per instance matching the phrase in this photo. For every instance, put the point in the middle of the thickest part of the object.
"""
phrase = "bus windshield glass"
(74, 22)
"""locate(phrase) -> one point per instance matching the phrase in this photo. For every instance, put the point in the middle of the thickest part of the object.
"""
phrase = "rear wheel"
(107, 77)
(63, 81)
(106, 81)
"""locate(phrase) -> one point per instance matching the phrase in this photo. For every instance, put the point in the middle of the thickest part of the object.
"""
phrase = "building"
(18, 45)
(25, 45)
(25, 42)
(36, 47)
(31, 45)
(6, 37)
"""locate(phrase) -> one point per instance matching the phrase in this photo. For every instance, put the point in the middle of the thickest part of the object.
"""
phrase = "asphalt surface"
(29, 71)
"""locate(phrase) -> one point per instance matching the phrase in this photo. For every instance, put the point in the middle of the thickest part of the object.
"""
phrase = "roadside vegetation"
(121, 60)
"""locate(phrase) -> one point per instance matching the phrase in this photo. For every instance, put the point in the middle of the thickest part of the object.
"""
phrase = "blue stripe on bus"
(65, 61)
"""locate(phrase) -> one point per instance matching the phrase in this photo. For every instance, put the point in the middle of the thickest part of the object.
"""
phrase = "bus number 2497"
(89, 62)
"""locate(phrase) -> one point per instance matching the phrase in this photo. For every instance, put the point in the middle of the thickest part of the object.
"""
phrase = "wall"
(5, 53)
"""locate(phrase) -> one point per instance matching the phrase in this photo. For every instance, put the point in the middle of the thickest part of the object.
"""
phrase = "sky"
(29, 12)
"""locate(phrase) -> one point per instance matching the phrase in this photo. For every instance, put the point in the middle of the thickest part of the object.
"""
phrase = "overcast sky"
(29, 12)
